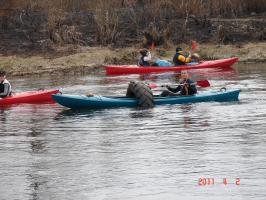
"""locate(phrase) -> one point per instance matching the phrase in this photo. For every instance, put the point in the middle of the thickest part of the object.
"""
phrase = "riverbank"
(91, 59)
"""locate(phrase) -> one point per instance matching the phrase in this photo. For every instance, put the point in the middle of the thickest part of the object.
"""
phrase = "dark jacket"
(142, 62)
(5, 89)
(191, 86)
(180, 59)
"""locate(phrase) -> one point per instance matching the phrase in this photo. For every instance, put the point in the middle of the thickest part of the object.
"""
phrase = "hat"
(2, 73)
(143, 52)
(178, 49)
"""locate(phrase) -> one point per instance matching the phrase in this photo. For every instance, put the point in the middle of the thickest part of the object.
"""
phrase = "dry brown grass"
(107, 22)
(210, 7)
(114, 19)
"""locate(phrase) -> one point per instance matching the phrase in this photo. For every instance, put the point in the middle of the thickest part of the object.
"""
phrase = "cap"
(178, 49)
(143, 52)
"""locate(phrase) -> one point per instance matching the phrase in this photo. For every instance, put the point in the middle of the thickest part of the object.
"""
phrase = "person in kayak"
(5, 87)
(186, 87)
(180, 58)
(145, 57)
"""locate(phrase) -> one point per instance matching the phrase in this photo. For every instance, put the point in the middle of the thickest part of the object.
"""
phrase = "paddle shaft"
(201, 83)
(179, 84)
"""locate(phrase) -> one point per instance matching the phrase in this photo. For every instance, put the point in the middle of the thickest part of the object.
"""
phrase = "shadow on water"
(70, 113)
(90, 113)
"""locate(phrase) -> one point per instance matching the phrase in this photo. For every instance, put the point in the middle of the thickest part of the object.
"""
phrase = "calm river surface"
(168, 152)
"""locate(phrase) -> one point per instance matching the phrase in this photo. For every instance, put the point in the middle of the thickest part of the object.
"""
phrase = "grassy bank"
(91, 59)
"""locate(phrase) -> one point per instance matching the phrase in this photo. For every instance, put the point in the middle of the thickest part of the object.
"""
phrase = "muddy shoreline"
(91, 59)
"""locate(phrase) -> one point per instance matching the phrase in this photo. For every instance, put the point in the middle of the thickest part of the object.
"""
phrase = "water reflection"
(224, 73)
(37, 144)
(37, 183)
(3, 115)
(190, 117)
(38, 123)
(186, 109)
(140, 113)
(69, 113)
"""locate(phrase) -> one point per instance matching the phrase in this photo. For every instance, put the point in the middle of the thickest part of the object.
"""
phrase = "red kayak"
(29, 97)
(135, 69)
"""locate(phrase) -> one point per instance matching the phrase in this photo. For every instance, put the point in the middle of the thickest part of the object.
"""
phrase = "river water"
(192, 151)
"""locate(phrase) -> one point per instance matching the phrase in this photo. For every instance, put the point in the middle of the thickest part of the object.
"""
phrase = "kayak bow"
(29, 97)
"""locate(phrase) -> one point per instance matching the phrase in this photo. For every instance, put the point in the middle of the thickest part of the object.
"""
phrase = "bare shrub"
(122, 22)
(70, 34)
(55, 20)
(107, 23)
(210, 7)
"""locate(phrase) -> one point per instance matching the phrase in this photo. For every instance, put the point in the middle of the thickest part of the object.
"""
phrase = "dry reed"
(209, 7)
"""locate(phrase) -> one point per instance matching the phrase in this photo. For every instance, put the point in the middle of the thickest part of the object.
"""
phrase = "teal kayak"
(98, 102)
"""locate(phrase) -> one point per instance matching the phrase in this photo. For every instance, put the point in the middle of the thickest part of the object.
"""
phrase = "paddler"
(5, 87)
(186, 86)
(180, 58)
(145, 57)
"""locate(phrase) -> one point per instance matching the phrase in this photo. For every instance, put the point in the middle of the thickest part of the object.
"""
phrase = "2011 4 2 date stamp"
(203, 181)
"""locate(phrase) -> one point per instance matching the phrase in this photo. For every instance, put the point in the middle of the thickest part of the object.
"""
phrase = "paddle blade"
(194, 45)
(152, 47)
(203, 83)
(152, 85)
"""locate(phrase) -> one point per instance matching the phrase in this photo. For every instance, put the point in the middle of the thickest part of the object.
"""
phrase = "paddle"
(194, 45)
(201, 83)
(152, 47)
